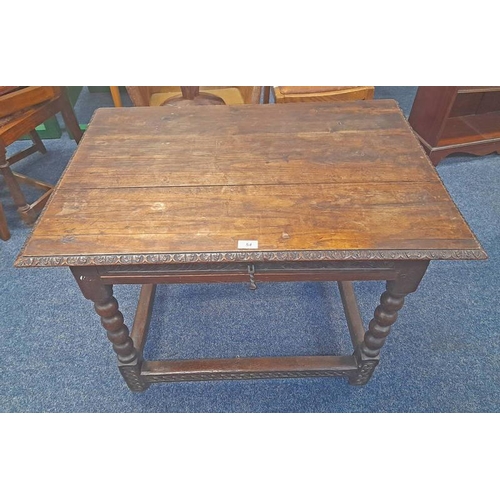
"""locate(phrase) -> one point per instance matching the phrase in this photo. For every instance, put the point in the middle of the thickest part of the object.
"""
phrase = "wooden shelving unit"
(457, 120)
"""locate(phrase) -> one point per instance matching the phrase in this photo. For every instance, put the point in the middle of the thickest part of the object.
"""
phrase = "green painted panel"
(47, 130)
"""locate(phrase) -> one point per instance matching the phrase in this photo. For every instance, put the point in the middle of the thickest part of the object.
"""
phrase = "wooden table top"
(308, 182)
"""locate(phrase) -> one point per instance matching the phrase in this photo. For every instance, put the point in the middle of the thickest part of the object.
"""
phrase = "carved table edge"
(263, 256)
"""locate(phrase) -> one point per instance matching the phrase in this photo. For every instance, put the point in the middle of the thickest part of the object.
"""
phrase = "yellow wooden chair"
(309, 94)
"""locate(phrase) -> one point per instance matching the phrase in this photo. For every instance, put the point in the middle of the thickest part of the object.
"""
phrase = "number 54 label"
(248, 244)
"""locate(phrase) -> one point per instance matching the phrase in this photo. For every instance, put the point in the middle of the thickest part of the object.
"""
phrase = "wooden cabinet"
(457, 120)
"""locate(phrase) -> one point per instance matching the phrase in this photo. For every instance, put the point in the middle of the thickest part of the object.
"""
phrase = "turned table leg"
(106, 306)
(386, 314)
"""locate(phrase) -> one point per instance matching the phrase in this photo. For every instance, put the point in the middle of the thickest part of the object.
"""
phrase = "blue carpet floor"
(442, 356)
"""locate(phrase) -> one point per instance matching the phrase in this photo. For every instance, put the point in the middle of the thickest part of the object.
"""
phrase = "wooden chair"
(115, 95)
(156, 96)
(21, 110)
(4, 229)
(308, 94)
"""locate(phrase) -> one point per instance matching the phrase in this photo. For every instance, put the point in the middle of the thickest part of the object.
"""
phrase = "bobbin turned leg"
(106, 306)
(386, 314)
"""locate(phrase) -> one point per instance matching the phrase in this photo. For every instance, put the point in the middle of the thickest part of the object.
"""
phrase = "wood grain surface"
(310, 176)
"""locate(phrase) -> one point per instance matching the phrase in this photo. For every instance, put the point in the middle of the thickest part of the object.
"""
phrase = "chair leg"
(267, 92)
(36, 146)
(37, 141)
(4, 229)
(69, 118)
(28, 215)
(115, 94)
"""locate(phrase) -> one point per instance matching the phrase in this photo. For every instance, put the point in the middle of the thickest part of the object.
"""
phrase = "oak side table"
(215, 194)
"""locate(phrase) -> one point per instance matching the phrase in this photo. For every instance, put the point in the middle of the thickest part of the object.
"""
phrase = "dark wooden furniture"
(457, 120)
(156, 96)
(311, 191)
(21, 110)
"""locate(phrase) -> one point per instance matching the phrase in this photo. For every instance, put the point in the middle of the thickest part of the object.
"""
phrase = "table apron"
(240, 272)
